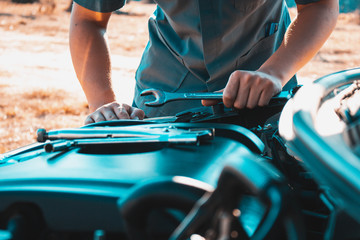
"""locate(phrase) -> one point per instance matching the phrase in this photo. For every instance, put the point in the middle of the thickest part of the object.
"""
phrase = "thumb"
(207, 103)
(137, 114)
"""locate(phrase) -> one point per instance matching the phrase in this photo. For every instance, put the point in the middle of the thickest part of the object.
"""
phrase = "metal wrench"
(162, 97)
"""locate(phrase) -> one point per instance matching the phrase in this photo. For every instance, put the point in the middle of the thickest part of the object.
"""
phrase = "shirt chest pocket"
(248, 5)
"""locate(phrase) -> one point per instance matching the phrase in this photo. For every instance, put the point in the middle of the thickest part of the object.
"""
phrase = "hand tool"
(162, 97)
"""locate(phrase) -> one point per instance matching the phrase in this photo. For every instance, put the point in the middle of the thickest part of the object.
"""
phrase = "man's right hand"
(114, 111)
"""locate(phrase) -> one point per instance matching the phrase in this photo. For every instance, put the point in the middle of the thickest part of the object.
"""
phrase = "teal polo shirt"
(194, 45)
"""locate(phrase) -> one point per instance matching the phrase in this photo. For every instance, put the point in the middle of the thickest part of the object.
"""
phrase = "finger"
(271, 88)
(253, 98)
(243, 89)
(122, 111)
(231, 89)
(255, 90)
(241, 98)
(88, 120)
(265, 98)
(207, 103)
(109, 114)
(97, 116)
(137, 114)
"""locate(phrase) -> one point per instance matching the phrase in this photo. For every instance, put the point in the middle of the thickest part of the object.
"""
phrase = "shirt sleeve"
(101, 5)
(303, 2)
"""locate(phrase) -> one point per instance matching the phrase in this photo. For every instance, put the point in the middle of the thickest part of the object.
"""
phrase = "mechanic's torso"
(196, 44)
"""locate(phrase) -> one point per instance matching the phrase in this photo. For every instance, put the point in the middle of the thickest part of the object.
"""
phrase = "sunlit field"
(39, 89)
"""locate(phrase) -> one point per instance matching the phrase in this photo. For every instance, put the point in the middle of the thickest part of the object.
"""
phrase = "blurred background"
(38, 86)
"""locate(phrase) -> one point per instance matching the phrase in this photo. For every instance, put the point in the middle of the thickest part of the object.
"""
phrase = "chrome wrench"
(162, 97)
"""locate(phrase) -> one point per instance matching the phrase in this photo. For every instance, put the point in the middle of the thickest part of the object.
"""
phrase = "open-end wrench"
(162, 97)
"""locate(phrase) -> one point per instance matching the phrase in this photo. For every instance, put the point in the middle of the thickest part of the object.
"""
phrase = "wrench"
(162, 97)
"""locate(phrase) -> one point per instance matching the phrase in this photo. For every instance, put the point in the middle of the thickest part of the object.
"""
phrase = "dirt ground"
(39, 89)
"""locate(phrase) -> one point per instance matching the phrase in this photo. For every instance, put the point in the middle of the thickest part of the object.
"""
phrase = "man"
(241, 47)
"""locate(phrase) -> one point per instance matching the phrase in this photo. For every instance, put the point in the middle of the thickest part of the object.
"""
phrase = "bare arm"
(90, 55)
(91, 59)
(303, 39)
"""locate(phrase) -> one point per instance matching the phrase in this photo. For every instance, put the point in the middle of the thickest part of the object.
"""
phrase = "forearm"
(91, 60)
(303, 39)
